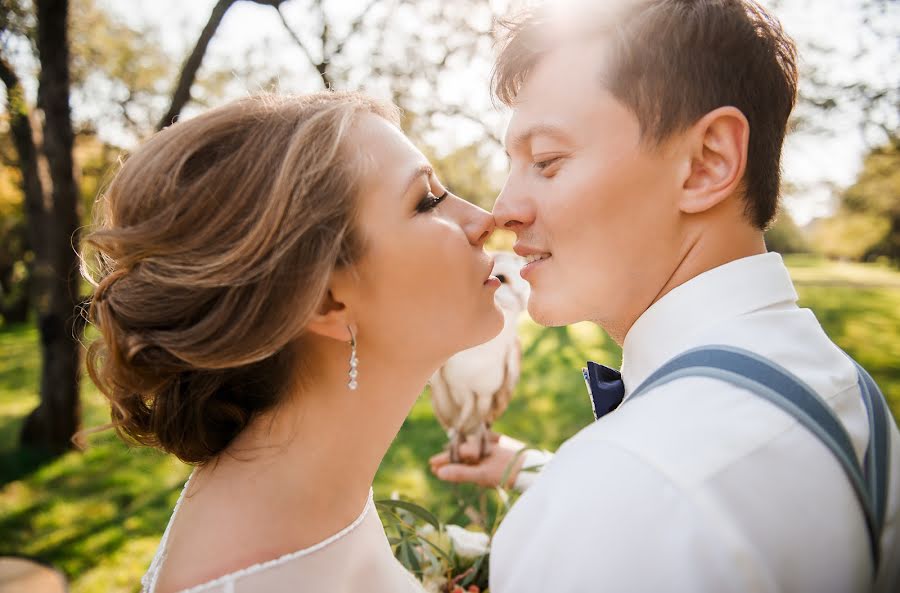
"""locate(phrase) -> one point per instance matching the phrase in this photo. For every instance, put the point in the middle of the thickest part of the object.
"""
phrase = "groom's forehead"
(553, 103)
(562, 20)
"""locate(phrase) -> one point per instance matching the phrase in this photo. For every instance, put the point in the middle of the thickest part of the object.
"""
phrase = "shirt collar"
(717, 295)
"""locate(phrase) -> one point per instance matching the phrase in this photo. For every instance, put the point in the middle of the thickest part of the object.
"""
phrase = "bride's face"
(425, 289)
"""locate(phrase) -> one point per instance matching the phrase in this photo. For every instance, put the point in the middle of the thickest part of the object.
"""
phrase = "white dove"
(473, 388)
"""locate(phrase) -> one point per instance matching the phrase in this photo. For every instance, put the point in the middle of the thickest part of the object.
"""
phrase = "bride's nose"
(476, 222)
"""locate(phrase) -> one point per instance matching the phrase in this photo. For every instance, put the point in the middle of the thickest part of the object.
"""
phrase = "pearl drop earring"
(354, 362)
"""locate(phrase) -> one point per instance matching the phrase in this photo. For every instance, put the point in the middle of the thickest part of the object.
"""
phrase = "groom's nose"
(513, 210)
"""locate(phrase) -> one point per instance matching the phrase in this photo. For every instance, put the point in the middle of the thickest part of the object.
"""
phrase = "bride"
(275, 281)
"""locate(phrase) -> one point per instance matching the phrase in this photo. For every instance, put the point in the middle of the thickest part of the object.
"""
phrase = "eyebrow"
(422, 170)
(525, 137)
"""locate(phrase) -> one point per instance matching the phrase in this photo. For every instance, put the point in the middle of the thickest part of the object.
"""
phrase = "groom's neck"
(706, 244)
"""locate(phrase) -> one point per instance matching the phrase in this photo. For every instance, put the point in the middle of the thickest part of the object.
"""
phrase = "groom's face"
(588, 196)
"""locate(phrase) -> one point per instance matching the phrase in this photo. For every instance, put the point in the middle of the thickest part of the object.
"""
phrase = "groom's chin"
(544, 313)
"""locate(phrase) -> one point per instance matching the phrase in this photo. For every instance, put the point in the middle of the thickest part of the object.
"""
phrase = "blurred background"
(127, 68)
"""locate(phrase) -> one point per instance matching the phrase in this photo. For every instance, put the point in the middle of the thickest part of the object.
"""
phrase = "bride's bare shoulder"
(241, 533)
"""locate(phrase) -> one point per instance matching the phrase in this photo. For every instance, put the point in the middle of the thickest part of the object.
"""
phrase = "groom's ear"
(716, 147)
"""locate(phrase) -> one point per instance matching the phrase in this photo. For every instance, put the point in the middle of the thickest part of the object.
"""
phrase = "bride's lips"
(491, 281)
(534, 258)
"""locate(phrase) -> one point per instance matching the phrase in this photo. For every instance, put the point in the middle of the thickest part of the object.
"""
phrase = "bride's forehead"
(386, 153)
(383, 139)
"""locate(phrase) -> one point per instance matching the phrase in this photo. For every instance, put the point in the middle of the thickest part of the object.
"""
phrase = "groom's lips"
(534, 256)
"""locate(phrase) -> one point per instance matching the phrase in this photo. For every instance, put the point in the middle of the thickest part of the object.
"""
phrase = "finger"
(494, 437)
(457, 472)
(442, 458)
(470, 451)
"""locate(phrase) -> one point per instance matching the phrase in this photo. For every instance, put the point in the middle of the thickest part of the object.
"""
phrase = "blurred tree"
(466, 172)
(452, 37)
(867, 222)
(829, 90)
(784, 236)
(329, 47)
(182, 91)
(877, 191)
(114, 70)
(404, 47)
(51, 212)
(119, 73)
(18, 176)
(848, 235)
(15, 285)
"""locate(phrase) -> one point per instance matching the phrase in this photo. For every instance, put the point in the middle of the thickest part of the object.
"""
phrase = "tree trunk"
(23, 140)
(182, 93)
(54, 422)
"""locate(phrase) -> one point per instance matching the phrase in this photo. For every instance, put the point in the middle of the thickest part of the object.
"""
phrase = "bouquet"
(446, 557)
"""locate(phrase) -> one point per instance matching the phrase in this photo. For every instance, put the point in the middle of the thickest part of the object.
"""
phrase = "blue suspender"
(770, 381)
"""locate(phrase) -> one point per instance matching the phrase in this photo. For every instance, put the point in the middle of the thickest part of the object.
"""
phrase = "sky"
(814, 163)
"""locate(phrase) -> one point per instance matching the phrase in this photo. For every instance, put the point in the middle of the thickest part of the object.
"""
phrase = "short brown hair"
(214, 246)
(673, 61)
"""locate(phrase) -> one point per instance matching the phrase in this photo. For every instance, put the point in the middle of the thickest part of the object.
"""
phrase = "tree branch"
(355, 27)
(182, 93)
(317, 65)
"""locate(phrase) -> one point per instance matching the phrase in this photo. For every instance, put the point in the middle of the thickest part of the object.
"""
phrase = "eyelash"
(430, 202)
(541, 165)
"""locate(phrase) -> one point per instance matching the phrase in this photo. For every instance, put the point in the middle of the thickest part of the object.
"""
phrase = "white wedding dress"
(357, 558)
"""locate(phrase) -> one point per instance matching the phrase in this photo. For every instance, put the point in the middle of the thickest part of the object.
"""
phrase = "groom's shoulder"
(684, 432)
(694, 427)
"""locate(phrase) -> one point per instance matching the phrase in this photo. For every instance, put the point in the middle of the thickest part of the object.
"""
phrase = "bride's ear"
(332, 317)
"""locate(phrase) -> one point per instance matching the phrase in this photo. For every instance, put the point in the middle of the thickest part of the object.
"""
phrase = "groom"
(645, 147)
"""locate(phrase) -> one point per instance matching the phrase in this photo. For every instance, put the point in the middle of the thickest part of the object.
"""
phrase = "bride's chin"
(494, 322)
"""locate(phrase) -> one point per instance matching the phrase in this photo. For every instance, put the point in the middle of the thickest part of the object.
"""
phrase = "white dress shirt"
(700, 486)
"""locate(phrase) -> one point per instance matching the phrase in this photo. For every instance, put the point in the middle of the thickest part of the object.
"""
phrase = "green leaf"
(436, 548)
(402, 525)
(470, 578)
(408, 557)
(416, 510)
(512, 464)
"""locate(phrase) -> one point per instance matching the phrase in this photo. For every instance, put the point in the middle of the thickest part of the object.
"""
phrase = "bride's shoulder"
(211, 546)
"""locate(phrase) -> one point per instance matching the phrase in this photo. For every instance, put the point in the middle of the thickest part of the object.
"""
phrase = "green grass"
(809, 269)
(98, 514)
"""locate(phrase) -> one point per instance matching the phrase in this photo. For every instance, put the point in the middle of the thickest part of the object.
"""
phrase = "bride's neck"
(324, 438)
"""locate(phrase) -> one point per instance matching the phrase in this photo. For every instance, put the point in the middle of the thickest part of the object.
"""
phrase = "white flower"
(433, 583)
(468, 544)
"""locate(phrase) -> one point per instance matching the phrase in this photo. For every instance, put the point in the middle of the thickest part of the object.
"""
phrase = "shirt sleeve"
(619, 525)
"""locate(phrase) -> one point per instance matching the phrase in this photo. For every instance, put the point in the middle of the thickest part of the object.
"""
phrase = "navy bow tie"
(605, 388)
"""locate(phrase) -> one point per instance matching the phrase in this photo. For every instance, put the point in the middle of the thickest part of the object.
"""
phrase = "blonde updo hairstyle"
(213, 247)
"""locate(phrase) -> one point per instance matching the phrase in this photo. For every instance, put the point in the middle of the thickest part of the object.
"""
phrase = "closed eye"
(541, 165)
(430, 202)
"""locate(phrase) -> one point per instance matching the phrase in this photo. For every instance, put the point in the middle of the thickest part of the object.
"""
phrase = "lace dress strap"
(149, 581)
